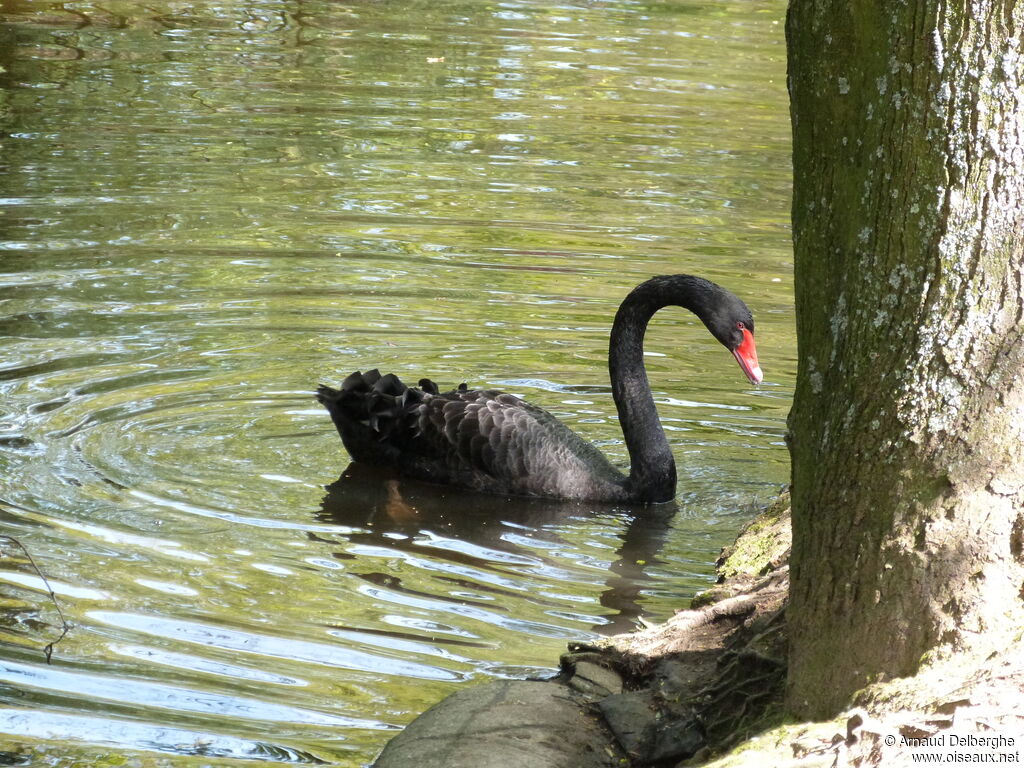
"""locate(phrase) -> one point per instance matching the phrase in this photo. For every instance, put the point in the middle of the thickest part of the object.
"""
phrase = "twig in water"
(65, 627)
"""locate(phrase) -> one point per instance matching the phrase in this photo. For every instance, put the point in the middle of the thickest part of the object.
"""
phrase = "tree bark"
(907, 428)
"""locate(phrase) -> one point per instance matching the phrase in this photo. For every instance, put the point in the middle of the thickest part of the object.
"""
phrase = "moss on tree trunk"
(907, 429)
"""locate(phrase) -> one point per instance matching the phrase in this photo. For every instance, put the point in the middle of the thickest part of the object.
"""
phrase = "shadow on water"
(379, 504)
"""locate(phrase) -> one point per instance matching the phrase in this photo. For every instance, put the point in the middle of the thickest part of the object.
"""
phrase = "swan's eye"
(741, 326)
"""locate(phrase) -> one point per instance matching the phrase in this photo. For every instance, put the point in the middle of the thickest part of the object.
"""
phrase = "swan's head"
(727, 318)
(731, 322)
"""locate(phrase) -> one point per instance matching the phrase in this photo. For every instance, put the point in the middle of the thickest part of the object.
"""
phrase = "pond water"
(211, 207)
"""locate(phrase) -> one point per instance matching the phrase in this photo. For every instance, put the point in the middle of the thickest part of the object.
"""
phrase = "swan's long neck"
(652, 471)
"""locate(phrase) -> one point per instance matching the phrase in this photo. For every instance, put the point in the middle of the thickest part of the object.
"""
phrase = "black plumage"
(480, 439)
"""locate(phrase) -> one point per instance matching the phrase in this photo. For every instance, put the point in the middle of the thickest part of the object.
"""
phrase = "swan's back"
(484, 440)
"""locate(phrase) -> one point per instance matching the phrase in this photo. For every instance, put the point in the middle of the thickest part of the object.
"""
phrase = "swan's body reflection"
(397, 513)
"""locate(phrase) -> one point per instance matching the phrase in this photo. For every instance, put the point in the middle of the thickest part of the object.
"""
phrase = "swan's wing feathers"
(481, 439)
(492, 432)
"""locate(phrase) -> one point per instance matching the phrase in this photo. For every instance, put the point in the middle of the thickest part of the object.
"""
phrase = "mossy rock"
(762, 545)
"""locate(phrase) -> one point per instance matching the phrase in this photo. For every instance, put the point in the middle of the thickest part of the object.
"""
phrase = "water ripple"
(140, 693)
(199, 226)
(292, 649)
(125, 734)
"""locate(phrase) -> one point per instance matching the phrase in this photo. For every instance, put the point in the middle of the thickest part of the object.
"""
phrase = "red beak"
(746, 356)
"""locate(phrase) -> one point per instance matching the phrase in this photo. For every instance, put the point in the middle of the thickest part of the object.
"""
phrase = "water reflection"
(478, 534)
(210, 207)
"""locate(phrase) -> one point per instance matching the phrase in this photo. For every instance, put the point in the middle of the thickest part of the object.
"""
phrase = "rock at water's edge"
(504, 724)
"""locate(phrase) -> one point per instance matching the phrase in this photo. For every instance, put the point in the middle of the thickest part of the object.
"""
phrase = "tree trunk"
(907, 429)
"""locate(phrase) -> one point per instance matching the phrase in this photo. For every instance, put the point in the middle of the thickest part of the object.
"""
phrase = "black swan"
(494, 442)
